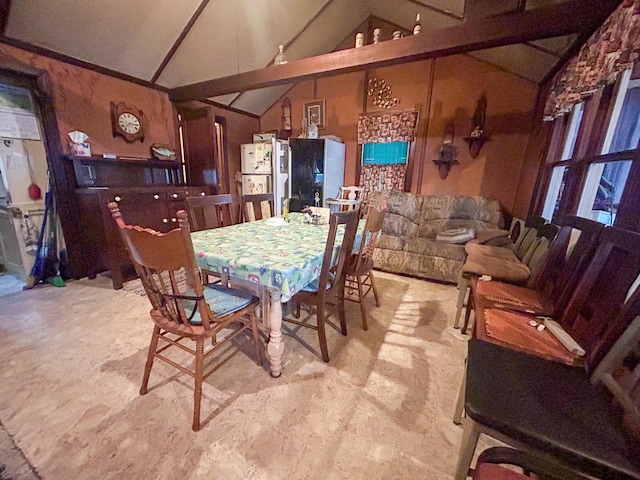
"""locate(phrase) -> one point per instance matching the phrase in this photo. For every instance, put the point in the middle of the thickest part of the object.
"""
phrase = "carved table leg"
(275, 347)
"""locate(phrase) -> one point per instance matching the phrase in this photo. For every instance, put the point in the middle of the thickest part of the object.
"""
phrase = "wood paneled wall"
(445, 89)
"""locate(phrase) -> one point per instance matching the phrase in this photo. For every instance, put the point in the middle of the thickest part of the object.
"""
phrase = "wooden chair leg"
(457, 414)
(341, 313)
(153, 346)
(467, 313)
(463, 286)
(197, 393)
(375, 289)
(256, 338)
(363, 311)
(470, 436)
(322, 335)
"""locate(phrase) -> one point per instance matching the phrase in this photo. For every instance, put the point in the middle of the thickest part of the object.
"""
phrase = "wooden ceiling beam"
(571, 17)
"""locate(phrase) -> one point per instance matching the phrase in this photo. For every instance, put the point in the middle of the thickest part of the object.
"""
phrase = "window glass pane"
(603, 190)
(624, 128)
(554, 193)
(572, 132)
(392, 153)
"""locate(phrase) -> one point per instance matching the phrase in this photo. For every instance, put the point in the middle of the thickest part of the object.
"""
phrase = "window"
(624, 128)
(602, 191)
(600, 140)
(384, 166)
(385, 153)
(554, 193)
(572, 132)
(606, 181)
(559, 171)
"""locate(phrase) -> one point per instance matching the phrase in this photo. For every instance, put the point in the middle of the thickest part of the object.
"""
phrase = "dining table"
(271, 258)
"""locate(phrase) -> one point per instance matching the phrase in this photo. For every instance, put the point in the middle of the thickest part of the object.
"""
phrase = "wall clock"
(127, 121)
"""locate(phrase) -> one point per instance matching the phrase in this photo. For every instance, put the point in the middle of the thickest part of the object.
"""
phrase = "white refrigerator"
(265, 169)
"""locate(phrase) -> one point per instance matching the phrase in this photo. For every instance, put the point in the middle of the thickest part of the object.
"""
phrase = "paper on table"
(276, 222)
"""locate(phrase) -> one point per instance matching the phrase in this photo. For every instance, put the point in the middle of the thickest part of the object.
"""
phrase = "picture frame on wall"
(314, 112)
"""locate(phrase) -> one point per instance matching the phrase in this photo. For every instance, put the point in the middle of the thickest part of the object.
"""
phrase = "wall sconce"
(477, 138)
(448, 153)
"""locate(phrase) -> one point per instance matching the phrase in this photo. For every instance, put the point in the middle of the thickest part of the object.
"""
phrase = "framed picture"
(314, 112)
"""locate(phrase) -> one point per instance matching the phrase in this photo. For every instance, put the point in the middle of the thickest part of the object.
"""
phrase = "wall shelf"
(97, 171)
(137, 162)
(476, 143)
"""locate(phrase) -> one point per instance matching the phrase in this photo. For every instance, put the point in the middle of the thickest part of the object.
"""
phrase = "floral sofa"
(408, 244)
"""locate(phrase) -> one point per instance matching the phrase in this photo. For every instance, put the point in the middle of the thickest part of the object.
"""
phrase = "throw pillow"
(456, 235)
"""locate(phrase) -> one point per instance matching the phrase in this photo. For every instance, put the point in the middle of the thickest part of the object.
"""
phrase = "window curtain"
(611, 49)
(385, 127)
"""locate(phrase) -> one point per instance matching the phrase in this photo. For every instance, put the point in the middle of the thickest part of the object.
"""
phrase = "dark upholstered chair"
(550, 409)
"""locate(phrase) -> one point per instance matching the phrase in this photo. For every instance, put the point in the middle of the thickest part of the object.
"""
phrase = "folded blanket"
(494, 237)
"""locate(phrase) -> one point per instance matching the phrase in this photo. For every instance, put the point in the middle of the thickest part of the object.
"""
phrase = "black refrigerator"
(317, 171)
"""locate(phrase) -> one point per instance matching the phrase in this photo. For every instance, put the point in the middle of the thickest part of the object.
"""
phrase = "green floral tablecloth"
(286, 257)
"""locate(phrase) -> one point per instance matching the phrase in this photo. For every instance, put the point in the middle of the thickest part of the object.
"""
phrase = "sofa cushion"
(431, 248)
(403, 213)
(390, 242)
(445, 212)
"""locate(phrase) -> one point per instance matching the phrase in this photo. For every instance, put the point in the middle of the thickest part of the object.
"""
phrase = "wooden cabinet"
(152, 207)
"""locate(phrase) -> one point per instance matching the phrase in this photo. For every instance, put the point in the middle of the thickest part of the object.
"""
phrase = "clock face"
(129, 123)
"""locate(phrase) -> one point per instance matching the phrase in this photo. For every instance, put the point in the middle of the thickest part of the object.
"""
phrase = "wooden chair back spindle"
(258, 206)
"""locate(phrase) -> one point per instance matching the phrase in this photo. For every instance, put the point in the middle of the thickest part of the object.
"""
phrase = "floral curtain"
(384, 127)
(382, 177)
(611, 49)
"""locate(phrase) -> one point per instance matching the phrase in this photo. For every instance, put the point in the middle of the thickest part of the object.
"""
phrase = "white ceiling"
(235, 36)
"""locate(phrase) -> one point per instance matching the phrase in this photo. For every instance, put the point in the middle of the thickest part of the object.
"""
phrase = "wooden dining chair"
(258, 206)
(212, 211)
(326, 294)
(591, 320)
(352, 194)
(514, 265)
(553, 284)
(590, 316)
(359, 275)
(184, 311)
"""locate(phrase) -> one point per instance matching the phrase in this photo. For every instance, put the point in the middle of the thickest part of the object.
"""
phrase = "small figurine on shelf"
(376, 35)
(280, 58)
(417, 27)
(448, 152)
(477, 123)
(477, 138)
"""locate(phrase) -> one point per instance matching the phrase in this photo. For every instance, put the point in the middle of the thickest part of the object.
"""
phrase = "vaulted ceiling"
(179, 43)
